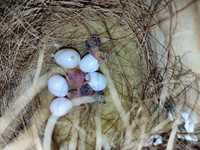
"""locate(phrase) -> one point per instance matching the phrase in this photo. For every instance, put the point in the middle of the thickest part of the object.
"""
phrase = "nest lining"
(33, 26)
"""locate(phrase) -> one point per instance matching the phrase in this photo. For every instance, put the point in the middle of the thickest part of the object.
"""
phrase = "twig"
(19, 104)
(115, 97)
(142, 137)
(73, 143)
(105, 143)
(98, 129)
(172, 138)
(39, 66)
(82, 135)
(25, 141)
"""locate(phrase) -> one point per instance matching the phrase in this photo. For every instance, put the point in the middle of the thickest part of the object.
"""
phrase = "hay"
(31, 31)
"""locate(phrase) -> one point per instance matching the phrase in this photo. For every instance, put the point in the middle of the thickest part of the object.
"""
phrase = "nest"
(31, 31)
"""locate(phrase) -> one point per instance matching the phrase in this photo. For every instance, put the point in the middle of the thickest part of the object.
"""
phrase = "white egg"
(58, 86)
(60, 106)
(89, 63)
(97, 81)
(67, 58)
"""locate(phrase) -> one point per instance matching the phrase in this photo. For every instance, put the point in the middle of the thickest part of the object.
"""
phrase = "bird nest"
(130, 112)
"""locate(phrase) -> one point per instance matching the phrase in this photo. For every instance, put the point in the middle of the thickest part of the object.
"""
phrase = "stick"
(115, 97)
(49, 131)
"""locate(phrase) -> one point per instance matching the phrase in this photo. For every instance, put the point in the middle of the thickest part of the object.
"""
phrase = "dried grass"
(31, 31)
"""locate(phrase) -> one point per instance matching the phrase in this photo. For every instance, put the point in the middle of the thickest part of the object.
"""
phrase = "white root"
(49, 131)
(83, 100)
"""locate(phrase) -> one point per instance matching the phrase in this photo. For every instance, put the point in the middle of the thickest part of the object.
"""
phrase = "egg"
(58, 86)
(89, 63)
(96, 80)
(67, 58)
(60, 106)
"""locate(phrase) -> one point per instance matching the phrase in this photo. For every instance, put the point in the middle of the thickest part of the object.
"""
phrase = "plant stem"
(49, 131)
